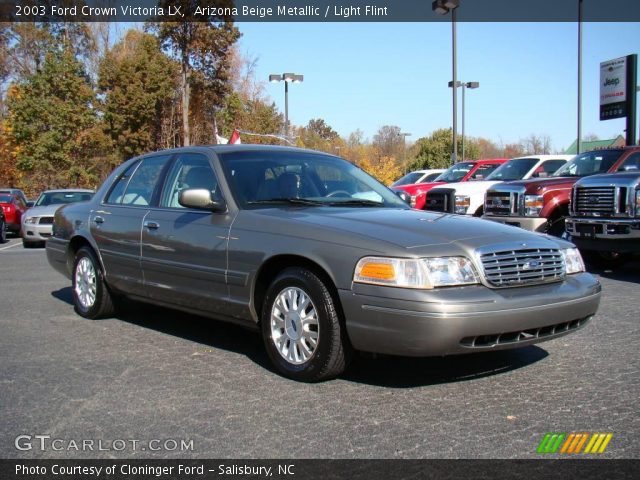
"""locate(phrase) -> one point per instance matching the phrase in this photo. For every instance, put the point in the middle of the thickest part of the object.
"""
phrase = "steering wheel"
(339, 193)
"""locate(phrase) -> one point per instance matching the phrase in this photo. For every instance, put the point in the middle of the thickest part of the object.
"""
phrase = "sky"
(366, 75)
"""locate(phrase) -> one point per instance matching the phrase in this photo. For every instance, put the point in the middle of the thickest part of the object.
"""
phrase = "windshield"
(408, 179)
(58, 198)
(267, 178)
(456, 172)
(513, 170)
(589, 163)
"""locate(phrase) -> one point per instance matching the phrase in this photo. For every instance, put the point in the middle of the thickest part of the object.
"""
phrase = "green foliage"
(318, 135)
(50, 113)
(435, 150)
(138, 82)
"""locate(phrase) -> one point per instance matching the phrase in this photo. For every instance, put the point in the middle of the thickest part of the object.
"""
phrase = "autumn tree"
(318, 135)
(201, 44)
(389, 141)
(50, 124)
(138, 82)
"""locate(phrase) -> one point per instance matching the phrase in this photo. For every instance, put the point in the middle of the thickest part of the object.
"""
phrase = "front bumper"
(466, 319)
(533, 224)
(36, 233)
(618, 235)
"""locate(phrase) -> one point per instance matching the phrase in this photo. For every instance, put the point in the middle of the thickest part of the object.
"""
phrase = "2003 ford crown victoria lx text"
(318, 255)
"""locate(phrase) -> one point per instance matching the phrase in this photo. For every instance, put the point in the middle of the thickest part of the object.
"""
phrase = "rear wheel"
(301, 328)
(91, 297)
(3, 232)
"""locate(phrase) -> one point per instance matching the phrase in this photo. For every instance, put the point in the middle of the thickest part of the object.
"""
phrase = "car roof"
(68, 190)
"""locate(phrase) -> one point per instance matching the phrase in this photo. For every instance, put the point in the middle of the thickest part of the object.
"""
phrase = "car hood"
(536, 184)
(407, 229)
(470, 187)
(47, 211)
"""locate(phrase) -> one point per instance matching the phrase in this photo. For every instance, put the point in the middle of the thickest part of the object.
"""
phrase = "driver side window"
(189, 170)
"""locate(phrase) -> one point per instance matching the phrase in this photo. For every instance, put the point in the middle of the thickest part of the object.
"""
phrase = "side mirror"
(200, 198)
(404, 196)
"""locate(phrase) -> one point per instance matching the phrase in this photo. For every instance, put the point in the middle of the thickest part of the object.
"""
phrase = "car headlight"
(462, 204)
(572, 261)
(30, 220)
(533, 205)
(423, 273)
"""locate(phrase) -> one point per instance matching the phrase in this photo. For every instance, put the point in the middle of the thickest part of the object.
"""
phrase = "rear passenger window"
(117, 191)
(140, 188)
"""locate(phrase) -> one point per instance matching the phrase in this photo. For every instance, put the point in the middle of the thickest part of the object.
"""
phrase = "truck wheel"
(91, 297)
(301, 328)
(606, 260)
(556, 227)
(3, 233)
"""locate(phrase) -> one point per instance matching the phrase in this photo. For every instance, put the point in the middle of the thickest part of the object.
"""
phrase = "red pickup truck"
(542, 205)
(458, 172)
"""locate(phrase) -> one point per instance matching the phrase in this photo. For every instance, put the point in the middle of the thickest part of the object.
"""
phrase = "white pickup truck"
(467, 198)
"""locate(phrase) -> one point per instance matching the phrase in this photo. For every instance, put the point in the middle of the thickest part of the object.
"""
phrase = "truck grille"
(510, 268)
(440, 201)
(594, 201)
(500, 203)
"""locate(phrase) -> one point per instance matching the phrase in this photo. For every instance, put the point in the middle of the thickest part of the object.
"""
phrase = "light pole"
(464, 86)
(286, 78)
(404, 136)
(579, 141)
(442, 7)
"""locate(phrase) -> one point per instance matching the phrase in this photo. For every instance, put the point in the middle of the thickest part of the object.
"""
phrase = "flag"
(235, 138)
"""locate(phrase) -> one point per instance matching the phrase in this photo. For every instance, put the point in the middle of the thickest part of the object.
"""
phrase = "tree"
(50, 122)
(138, 82)
(201, 44)
(537, 144)
(389, 141)
(435, 150)
(318, 135)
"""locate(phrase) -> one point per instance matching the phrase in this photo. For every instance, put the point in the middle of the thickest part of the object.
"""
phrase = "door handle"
(151, 225)
(98, 219)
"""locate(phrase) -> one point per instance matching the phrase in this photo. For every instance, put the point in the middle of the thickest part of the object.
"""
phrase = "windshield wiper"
(357, 202)
(292, 201)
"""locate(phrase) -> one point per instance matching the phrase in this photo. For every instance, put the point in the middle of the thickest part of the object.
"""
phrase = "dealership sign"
(613, 89)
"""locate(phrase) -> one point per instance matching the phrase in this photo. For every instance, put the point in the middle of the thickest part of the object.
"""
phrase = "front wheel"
(301, 327)
(3, 232)
(91, 297)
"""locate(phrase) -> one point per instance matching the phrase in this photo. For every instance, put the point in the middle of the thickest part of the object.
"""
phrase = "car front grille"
(494, 339)
(500, 203)
(45, 221)
(440, 200)
(594, 201)
(511, 268)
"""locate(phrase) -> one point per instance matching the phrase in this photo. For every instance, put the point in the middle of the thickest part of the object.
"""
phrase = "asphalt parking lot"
(157, 374)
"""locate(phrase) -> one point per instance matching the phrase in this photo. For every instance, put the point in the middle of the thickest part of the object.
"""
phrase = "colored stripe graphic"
(572, 443)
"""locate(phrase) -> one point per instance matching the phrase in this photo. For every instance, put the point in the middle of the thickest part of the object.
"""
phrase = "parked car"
(17, 192)
(605, 215)
(37, 224)
(413, 182)
(542, 205)
(459, 172)
(254, 235)
(14, 209)
(467, 198)
(3, 231)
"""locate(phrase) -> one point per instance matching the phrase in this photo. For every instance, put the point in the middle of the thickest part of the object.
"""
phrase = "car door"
(184, 250)
(116, 224)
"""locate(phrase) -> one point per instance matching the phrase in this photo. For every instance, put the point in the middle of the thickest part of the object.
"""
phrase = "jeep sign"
(613, 89)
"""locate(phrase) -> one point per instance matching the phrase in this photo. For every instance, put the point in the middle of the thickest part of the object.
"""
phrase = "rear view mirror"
(404, 196)
(200, 198)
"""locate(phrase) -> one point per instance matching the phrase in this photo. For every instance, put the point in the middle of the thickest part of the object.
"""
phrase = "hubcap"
(85, 283)
(294, 325)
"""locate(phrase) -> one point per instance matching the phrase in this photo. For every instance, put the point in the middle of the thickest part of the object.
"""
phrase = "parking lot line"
(10, 246)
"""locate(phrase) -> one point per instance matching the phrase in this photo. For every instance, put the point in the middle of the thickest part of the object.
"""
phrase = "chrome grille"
(510, 268)
(500, 203)
(596, 201)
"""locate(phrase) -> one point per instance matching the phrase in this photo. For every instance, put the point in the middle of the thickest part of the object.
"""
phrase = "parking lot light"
(286, 78)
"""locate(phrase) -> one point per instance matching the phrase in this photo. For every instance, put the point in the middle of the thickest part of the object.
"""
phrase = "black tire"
(102, 306)
(3, 232)
(606, 260)
(332, 352)
(557, 227)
